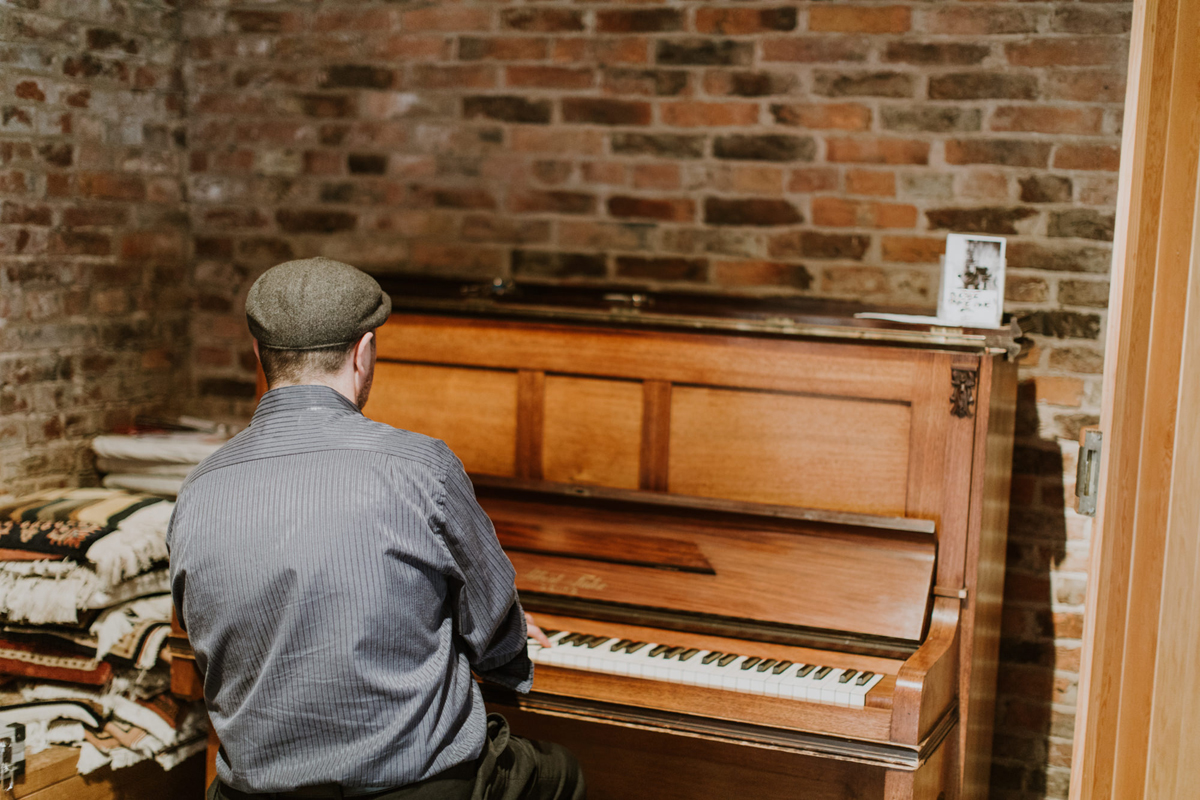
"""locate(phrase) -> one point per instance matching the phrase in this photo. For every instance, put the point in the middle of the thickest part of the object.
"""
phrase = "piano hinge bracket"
(946, 591)
(962, 394)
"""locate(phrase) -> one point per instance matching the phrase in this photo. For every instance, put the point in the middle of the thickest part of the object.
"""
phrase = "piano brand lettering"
(558, 583)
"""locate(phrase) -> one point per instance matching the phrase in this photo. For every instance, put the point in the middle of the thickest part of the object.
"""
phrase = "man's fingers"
(534, 632)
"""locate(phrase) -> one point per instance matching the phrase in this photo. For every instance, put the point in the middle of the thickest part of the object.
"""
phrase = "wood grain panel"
(656, 435)
(818, 452)
(474, 411)
(593, 431)
(760, 363)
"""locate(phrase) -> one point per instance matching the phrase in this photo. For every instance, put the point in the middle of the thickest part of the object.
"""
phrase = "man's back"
(338, 583)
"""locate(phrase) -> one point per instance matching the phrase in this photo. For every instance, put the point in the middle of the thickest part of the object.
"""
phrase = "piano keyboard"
(714, 669)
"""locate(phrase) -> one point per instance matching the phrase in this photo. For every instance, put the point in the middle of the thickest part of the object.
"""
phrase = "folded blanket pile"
(155, 463)
(84, 616)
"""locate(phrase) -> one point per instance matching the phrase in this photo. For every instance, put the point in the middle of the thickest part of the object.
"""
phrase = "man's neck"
(344, 386)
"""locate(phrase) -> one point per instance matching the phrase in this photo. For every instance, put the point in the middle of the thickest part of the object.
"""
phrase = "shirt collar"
(302, 398)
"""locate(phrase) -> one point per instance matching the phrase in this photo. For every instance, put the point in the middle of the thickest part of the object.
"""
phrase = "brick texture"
(800, 148)
(94, 267)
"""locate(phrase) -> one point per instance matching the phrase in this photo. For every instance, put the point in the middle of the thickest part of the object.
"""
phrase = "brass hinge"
(962, 395)
(1087, 472)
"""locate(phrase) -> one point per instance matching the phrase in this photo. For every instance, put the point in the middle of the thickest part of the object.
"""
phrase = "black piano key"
(711, 657)
(569, 638)
(621, 645)
(864, 677)
(596, 641)
(727, 659)
(659, 650)
(550, 632)
(847, 675)
(804, 670)
(766, 664)
(750, 662)
(686, 654)
(634, 647)
(674, 651)
(821, 673)
(781, 667)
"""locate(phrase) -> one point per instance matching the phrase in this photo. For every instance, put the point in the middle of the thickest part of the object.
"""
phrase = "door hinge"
(1087, 473)
(962, 394)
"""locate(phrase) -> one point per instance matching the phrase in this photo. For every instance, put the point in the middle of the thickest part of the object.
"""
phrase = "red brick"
(740, 21)
(604, 111)
(502, 48)
(854, 18)
(663, 269)
(152, 245)
(812, 179)
(557, 140)
(861, 181)
(457, 259)
(1048, 119)
(80, 216)
(341, 20)
(453, 19)
(454, 77)
(540, 77)
(754, 179)
(29, 90)
(640, 20)
(1068, 52)
(761, 273)
(976, 20)
(854, 281)
(111, 185)
(837, 212)
(667, 209)
(1088, 156)
(691, 114)
(656, 176)
(815, 49)
(1005, 152)
(604, 172)
(411, 47)
(542, 20)
(877, 151)
(841, 116)
(553, 202)
(620, 50)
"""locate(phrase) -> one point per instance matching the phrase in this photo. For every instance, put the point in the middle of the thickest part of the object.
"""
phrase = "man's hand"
(534, 632)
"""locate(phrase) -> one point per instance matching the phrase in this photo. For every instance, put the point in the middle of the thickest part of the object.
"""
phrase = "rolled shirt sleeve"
(488, 614)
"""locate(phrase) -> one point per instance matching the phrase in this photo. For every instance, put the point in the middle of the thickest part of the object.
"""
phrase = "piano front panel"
(592, 431)
(788, 449)
(474, 411)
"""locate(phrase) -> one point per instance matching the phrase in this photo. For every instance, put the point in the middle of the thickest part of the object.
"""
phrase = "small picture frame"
(972, 290)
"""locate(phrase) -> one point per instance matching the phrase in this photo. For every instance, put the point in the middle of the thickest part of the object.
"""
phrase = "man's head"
(313, 322)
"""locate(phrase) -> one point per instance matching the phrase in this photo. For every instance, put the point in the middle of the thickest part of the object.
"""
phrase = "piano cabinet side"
(926, 686)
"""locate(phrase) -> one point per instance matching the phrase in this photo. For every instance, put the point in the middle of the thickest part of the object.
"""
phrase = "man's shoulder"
(400, 443)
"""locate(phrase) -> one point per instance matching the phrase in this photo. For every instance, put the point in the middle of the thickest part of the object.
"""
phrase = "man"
(339, 582)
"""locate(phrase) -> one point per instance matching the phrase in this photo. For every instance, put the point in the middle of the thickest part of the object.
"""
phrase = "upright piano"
(767, 538)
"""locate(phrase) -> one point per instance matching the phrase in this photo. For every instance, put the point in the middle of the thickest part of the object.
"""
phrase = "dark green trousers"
(510, 768)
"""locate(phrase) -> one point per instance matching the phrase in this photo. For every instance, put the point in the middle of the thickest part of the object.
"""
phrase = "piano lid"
(686, 309)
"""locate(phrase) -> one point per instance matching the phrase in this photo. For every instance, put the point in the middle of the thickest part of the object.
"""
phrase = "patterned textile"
(66, 523)
(30, 659)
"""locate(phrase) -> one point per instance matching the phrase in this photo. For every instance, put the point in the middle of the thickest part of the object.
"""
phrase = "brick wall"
(93, 270)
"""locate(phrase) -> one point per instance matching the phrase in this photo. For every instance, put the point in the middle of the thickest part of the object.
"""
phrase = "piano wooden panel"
(474, 411)
(789, 449)
(592, 431)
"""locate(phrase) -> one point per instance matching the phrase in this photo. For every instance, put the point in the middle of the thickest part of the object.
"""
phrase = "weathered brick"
(693, 114)
(80, 243)
(1025, 289)
(1088, 157)
(748, 84)
(841, 116)
(1067, 52)
(656, 176)
(1042, 119)
(29, 90)
(1080, 19)
(877, 151)
(863, 84)
(980, 20)
(741, 21)
(666, 209)
(357, 76)
(762, 273)
(703, 52)
(604, 172)
(837, 212)
(655, 82)
(812, 179)
(662, 269)
(454, 197)
(447, 18)
(22, 214)
(544, 264)
(455, 76)
(814, 244)
(506, 230)
(614, 50)
(756, 212)
(542, 77)
(1083, 293)
(1061, 324)
(107, 39)
(932, 119)
(816, 49)
(603, 111)
(983, 86)
(639, 20)
(1084, 223)
(872, 182)
(507, 108)
(999, 221)
(935, 53)
(767, 147)
(665, 145)
(1006, 152)
(912, 249)
(326, 105)
(315, 220)
(553, 202)
(1077, 359)
(541, 20)
(1045, 189)
(366, 164)
(1088, 86)
(855, 18)
(1032, 255)
(605, 235)
(502, 48)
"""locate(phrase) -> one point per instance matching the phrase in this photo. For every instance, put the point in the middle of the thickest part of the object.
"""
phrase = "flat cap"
(313, 303)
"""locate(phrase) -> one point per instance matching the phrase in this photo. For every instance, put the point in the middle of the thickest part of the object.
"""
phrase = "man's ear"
(363, 362)
(256, 353)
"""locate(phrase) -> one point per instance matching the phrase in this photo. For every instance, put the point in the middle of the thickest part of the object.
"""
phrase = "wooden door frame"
(1154, 271)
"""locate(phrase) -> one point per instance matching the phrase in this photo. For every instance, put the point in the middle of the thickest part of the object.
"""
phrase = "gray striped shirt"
(339, 582)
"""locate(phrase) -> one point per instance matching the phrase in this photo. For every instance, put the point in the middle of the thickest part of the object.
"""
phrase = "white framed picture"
(972, 290)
